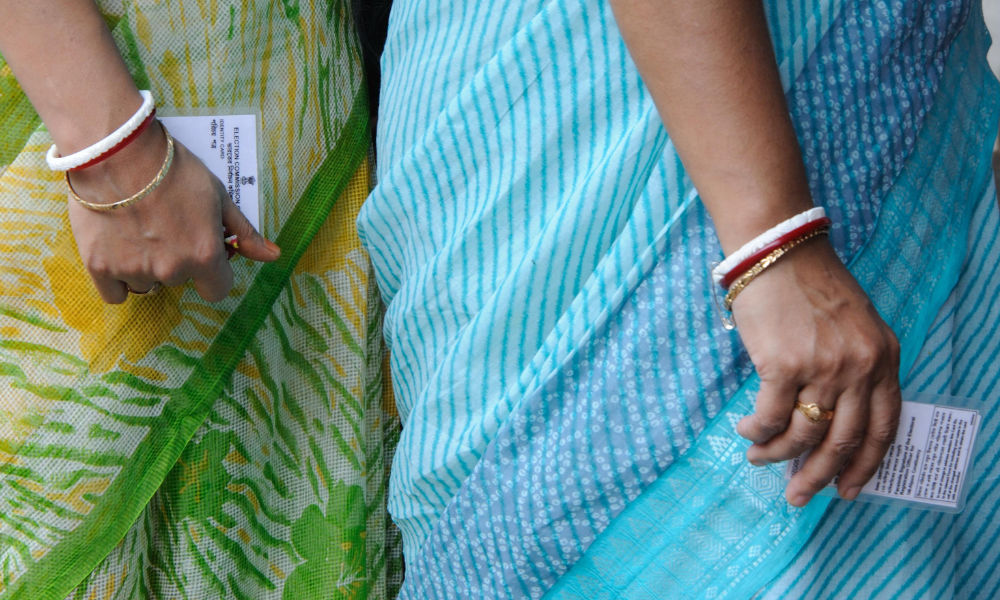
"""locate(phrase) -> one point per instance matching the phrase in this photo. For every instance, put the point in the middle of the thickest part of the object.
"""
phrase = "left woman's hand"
(173, 235)
(815, 338)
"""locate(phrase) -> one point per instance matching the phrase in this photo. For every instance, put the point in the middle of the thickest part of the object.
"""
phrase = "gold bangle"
(152, 185)
(744, 280)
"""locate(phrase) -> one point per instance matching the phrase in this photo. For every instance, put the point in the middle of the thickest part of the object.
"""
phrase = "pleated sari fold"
(567, 390)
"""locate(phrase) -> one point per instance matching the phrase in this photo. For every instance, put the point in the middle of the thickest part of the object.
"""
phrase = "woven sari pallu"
(568, 392)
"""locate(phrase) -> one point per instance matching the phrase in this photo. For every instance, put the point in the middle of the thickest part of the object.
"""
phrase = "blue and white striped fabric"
(875, 551)
(558, 361)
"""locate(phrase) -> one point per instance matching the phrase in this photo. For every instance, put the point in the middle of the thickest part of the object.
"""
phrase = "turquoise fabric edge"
(606, 550)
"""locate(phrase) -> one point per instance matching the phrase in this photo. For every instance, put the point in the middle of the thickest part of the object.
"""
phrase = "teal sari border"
(614, 565)
(79, 553)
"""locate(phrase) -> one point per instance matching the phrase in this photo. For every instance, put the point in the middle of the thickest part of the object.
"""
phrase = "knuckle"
(829, 363)
(845, 446)
(807, 438)
(97, 266)
(168, 271)
(882, 435)
(770, 426)
(894, 350)
(206, 254)
(892, 341)
(783, 366)
(866, 357)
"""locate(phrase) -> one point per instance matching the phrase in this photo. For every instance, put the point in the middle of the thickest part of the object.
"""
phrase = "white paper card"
(928, 462)
(227, 144)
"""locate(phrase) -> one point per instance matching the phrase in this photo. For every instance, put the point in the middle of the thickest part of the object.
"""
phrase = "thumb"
(249, 243)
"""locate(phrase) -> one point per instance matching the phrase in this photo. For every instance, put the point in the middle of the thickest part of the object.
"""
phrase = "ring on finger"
(814, 412)
(155, 288)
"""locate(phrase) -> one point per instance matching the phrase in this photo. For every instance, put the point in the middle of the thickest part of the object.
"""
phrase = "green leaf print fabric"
(171, 448)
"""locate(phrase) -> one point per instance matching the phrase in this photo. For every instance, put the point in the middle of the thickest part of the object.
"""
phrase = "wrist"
(755, 217)
(126, 172)
(745, 202)
(92, 119)
(789, 230)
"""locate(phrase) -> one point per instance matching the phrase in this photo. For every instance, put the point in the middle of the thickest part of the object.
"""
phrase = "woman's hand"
(814, 337)
(57, 48)
(172, 235)
(810, 330)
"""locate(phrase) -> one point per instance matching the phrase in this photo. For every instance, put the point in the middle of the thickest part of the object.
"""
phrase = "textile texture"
(567, 390)
(172, 448)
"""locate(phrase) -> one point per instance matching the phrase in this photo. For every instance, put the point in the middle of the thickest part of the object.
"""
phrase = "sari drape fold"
(168, 447)
(567, 390)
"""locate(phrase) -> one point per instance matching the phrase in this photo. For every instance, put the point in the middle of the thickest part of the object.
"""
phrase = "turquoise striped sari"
(567, 390)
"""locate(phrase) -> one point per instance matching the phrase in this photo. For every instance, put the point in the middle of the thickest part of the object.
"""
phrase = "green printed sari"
(171, 448)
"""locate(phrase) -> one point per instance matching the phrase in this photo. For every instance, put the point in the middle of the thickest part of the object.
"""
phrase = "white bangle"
(762, 240)
(88, 154)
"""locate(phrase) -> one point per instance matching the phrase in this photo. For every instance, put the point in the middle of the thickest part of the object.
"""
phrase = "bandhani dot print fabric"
(568, 392)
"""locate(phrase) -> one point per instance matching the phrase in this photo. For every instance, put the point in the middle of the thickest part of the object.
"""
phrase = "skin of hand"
(809, 328)
(172, 235)
(834, 350)
(67, 64)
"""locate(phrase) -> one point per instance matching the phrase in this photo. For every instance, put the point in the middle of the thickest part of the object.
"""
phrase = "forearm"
(62, 55)
(710, 69)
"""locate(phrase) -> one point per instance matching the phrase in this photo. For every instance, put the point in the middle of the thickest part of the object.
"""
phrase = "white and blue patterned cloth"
(567, 390)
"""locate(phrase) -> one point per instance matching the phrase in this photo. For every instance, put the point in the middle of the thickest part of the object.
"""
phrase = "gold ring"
(813, 412)
(156, 287)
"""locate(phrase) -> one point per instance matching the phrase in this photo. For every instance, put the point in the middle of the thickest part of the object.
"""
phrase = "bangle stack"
(118, 139)
(152, 185)
(754, 257)
(107, 147)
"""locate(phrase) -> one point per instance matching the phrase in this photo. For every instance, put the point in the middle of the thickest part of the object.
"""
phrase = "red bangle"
(743, 267)
(118, 147)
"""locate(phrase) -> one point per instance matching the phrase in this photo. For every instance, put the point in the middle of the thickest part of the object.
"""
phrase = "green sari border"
(80, 552)
(17, 115)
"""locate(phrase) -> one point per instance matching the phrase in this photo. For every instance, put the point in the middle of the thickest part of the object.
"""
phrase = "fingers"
(807, 322)
(141, 287)
(214, 282)
(111, 289)
(205, 263)
(171, 237)
(883, 421)
(846, 435)
(773, 410)
(801, 434)
(250, 243)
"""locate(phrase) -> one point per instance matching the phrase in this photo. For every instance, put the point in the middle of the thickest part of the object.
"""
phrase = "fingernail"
(275, 250)
(757, 462)
(799, 500)
(852, 493)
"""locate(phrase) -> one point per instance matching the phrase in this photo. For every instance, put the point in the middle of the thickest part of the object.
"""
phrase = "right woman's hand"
(173, 235)
(815, 337)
